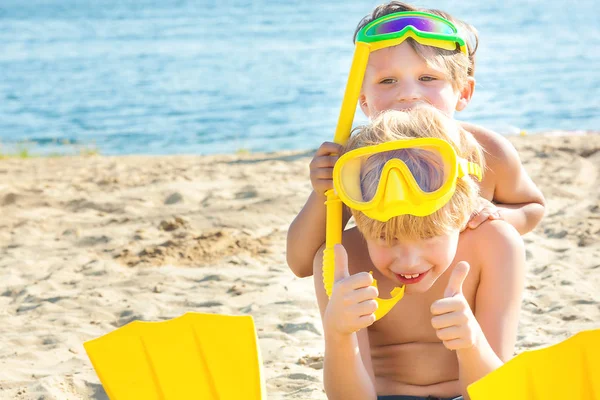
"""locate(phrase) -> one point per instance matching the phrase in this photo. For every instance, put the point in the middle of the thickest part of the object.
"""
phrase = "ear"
(362, 100)
(465, 94)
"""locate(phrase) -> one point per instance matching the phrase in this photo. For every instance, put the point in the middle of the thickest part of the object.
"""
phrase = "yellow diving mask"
(394, 189)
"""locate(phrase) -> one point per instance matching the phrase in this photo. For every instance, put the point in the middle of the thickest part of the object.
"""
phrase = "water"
(182, 76)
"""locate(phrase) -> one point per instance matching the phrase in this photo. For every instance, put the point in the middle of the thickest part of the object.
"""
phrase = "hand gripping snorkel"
(390, 30)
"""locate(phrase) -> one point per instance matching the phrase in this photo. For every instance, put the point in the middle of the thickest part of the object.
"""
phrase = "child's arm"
(516, 197)
(344, 375)
(499, 296)
(307, 231)
(348, 372)
(485, 340)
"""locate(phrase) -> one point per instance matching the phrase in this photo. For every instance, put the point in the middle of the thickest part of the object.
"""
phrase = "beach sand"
(89, 244)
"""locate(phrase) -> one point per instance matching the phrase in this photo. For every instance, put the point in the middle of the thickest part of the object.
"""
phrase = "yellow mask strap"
(468, 168)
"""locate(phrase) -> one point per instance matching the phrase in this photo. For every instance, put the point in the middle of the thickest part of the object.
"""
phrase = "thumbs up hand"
(352, 303)
(453, 320)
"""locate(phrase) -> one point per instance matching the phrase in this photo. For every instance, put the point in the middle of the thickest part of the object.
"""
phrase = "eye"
(432, 241)
(428, 78)
(387, 81)
(384, 242)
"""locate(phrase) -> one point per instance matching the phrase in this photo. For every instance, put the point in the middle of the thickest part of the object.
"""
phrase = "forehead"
(432, 244)
(401, 56)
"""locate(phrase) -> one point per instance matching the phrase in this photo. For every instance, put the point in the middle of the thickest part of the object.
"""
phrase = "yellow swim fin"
(195, 356)
(568, 370)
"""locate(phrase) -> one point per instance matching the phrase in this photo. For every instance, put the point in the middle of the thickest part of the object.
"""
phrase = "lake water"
(200, 77)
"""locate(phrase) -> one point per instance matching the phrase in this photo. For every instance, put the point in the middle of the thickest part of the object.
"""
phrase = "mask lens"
(426, 166)
(422, 24)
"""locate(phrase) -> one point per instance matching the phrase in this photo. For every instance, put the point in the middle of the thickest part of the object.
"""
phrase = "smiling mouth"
(411, 278)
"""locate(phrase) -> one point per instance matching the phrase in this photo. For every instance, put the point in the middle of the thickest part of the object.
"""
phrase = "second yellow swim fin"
(568, 370)
(195, 356)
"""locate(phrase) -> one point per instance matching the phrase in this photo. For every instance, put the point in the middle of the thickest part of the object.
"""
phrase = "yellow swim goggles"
(411, 176)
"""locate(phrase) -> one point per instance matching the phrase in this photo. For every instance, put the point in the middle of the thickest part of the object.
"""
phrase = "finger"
(478, 219)
(323, 162)
(447, 320)
(495, 215)
(448, 305)
(459, 274)
(457, 344)
(341, 263)
(485, 213)
(323, 173)
(363, 294)
(366, 321)
(365, 308)
(328, 148)
(450, 333)
(362, 280)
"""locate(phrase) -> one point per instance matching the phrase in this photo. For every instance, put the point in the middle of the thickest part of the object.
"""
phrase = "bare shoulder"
(495, 242)
(493, 237)
(498, 149)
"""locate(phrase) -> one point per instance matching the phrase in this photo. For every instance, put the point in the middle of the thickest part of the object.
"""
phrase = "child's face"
(416, 264)
(397, 78)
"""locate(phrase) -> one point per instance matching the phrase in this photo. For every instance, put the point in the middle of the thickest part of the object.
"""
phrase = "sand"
(89, 244)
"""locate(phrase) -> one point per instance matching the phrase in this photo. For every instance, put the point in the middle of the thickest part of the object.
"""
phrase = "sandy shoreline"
(89, 244)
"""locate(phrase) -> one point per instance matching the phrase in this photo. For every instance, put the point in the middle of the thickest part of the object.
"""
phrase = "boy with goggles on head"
(410, 179)
(418, 57)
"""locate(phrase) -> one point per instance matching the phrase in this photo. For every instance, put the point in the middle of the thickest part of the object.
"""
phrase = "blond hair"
(423, 121)
(457, 66)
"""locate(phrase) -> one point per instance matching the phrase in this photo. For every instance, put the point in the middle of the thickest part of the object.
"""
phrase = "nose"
(408, 258)
(408, 93)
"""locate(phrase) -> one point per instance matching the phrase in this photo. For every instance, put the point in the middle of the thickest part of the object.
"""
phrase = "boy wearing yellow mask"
(458, 318)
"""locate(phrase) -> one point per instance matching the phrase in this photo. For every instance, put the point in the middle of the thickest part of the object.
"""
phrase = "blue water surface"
(200, 77)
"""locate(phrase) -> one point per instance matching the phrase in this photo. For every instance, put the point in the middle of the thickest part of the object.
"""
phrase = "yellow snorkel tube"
(387, 31)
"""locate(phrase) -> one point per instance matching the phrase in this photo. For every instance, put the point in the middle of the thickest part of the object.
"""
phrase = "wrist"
(468, 353)
(480, 345)
(320, 195)
(335, 337)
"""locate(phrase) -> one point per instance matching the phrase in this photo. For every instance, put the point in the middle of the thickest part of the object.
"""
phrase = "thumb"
(341, 263)
(461, 270)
